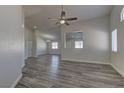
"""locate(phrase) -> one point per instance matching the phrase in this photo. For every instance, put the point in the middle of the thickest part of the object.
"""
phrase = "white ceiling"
(39, 14)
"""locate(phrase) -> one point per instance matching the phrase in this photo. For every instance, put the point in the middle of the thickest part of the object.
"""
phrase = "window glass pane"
(78, 44)
(114, 40)
(54, 45)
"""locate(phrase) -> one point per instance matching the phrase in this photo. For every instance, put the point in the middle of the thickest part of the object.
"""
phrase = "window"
(78, 44)
(114, 40)
(122, 15)
(74, 39)
(54, 45)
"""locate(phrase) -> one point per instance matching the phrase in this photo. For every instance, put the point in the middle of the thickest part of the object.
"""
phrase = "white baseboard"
(17, 80)
(96, 62)
(118, 70)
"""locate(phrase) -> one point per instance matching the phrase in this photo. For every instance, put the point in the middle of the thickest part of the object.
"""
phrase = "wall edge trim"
(119, 71)
(16, 81)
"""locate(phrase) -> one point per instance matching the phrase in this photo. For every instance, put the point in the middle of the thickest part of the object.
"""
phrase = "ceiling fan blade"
(67, 23)
(71, 19)
(57, 23)
(53, 18)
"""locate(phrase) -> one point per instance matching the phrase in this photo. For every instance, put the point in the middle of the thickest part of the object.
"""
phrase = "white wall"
(117, 59)
(11, 44)
(28, 42)
(41, 46)
(96, 41)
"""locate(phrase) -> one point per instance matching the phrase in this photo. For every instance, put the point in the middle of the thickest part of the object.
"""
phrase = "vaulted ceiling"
(39, 14)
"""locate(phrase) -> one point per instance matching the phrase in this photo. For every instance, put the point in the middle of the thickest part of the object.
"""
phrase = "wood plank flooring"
(49, 72)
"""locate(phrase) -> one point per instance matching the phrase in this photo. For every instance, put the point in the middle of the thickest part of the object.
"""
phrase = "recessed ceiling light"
(23, 26)
(48, 41)
(35, 27)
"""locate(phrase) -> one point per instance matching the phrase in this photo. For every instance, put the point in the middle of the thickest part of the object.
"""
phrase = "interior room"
(62, 46)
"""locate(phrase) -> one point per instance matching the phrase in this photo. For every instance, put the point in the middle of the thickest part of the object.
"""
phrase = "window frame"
(54, 45)
(65, 41)
(122, 15)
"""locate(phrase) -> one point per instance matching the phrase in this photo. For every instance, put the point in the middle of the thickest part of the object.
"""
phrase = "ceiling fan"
(62, 19)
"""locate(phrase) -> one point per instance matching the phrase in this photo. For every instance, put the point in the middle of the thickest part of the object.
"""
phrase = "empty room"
(62, 46)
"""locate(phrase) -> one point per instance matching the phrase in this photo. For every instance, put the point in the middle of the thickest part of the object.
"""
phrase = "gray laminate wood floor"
(49, 72)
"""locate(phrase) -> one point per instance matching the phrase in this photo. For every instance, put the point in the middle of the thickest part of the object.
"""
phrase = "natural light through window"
(114, 40)
(122, 15)
(54, 45)
(78, 44)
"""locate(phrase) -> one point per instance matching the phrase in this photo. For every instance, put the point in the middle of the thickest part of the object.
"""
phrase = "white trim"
(118, 70)
(17, 80)
(96, 62)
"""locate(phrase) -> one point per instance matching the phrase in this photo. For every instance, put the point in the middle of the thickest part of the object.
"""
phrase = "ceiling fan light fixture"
(62, 21)
(35, 27)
